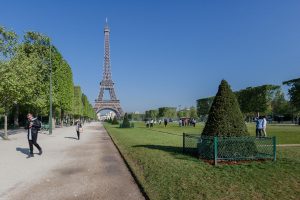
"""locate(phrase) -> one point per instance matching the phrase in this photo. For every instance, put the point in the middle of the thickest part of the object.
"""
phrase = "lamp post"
(50, 95)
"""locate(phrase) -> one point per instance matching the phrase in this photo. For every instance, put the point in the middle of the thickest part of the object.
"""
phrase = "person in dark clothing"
(166, 122)
(78, 128)
(33, 127)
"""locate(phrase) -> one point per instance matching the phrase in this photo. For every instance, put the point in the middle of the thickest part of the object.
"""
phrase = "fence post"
(215, 150)
(274, 148)
(183, 142)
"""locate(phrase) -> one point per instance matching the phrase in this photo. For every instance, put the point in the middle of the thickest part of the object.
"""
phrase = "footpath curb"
(142, 190)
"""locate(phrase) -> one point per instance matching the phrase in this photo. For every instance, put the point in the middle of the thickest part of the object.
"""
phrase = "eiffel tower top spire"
(106, 65)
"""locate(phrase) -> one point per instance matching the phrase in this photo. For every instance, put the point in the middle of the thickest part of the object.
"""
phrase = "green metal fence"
(229, 148)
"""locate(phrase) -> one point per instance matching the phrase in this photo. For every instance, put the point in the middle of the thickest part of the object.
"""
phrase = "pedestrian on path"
(33, 127)
(78, 128)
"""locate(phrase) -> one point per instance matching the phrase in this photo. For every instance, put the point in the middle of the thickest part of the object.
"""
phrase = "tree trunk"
(61, 118)
(53, 122)
(5, 126)
(16, 116)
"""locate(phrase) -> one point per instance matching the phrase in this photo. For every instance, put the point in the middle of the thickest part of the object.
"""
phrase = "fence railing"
(230, 148)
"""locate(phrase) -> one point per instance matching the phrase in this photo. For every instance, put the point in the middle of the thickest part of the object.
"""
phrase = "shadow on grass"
(170, 133)
(177, 152)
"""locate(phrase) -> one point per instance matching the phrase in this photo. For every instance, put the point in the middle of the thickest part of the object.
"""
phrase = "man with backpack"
(33, 127)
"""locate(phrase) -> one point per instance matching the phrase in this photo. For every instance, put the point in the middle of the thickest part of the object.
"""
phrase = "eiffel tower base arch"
(113, 105)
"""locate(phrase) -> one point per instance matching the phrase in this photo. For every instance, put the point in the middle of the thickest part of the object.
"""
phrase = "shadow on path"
(75, 138)
(23, 150)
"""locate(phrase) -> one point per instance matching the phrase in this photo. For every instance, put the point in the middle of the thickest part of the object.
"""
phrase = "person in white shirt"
(264, 126)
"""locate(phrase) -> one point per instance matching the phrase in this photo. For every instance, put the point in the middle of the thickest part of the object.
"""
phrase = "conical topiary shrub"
(126, 123)
(225, 117)
(226, 120)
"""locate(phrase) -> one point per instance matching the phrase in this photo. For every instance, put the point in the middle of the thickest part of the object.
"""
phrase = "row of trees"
(265, 99)
(171, 113)
(25, 75)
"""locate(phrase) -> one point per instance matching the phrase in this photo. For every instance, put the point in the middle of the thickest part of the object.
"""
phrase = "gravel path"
(90, 168)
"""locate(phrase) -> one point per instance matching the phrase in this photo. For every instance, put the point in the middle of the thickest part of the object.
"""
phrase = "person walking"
(151, 123)
(166, 122)
(78, 128)
(33, 126)
(264, 130)
(259, 127)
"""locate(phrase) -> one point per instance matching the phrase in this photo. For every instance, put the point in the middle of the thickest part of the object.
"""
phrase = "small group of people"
(33, 126)
(150, 123)
(187, 122)
(261, 126)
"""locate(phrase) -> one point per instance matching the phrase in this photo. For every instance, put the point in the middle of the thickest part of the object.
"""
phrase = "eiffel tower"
(107, 84)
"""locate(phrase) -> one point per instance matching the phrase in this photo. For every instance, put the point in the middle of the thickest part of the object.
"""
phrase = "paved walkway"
(90, 168)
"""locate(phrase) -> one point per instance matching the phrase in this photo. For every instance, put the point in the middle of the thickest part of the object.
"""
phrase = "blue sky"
(168, 53)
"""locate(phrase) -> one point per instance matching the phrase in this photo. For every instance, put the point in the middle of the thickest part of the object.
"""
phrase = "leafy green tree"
(193, 112)
(36, 47)
(13, 87)
(85, 103)
(77, 102)
(225, 117)
(167, 112)
(203, 106)
(184, 113)
(294, 92)
(256, 99)
(8, 43)
(280, 106)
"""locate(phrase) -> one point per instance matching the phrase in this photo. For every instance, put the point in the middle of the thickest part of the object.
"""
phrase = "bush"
(225, 117)
(126, 123)
(115, 121)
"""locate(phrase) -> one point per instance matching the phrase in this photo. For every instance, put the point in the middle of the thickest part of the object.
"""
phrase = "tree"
(77, 102)
(203, 106)
(193, 112)
(280, 106)
(9, 80)
(115, 121)
(294, 92)
(8, 43)
(183, 113)
(167, 112)
(126, 123)
(256, 99)
(225, 117)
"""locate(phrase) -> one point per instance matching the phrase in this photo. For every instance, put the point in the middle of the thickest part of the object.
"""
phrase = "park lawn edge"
(129, 167)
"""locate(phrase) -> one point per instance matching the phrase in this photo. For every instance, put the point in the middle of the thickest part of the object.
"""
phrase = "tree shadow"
(166, 132)
(12, 132)
(75, 138)
(23, 150)
(177, 152)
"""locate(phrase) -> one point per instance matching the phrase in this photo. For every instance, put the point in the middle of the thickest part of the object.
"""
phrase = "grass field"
(164, 172)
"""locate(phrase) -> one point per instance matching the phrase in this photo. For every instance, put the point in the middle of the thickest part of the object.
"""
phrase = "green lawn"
(285, 134)
(165, 173)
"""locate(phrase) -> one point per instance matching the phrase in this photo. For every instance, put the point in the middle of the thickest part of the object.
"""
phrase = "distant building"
(109, 115)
